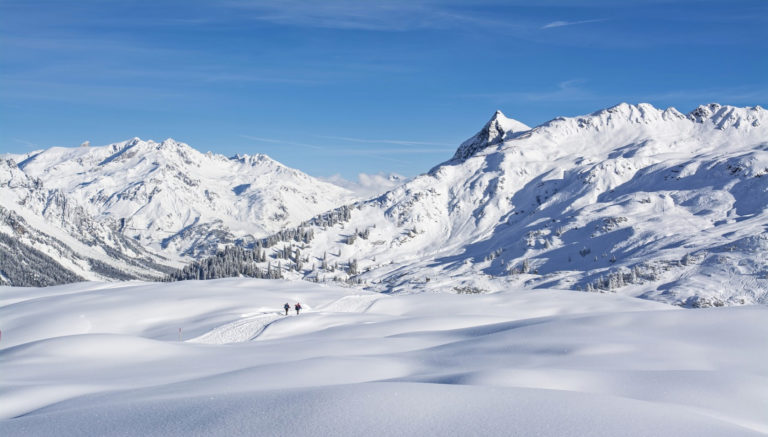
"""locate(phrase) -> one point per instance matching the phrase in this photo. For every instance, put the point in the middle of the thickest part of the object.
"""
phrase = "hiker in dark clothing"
(286, 307)
(297, 307)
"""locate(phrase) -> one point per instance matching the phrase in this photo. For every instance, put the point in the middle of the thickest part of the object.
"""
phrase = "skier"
(286, 307)
(297, 307)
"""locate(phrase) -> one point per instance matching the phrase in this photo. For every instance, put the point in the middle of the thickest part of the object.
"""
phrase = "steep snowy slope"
(47, 238)
(632, 199)
(174, 199)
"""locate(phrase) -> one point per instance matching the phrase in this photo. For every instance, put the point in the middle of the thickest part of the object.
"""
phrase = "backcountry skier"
(286, 307)
(297, 307)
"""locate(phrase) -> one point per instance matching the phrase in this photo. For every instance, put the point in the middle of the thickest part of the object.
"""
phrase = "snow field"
(543, 362)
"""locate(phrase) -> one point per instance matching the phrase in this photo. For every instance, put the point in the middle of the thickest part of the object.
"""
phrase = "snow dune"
(100, 359)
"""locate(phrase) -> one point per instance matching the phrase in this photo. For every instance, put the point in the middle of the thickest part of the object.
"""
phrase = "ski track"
(549, 362)
(358, 303)
(238, 331)
(249, 328)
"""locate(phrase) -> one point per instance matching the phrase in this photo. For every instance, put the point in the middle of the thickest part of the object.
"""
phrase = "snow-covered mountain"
(47, 238)
(177, 201)
(633, 199)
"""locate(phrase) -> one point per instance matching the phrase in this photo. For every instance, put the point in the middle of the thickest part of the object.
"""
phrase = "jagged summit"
(183, 150)
(137, 141)
(256, 159)
(498, 128)
(725, 116)
(648, 120)
(166, 144)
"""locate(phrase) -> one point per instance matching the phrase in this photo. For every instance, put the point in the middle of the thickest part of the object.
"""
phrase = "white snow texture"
(98, 359)
(631, 199)
(446, 305)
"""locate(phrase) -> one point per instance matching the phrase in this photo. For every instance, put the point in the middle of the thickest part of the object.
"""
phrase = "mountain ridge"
(631, 199)
(47, 238)
(494, 132)
(180, 201)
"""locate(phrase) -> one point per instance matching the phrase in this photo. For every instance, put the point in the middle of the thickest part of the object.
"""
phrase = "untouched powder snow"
(95, 359)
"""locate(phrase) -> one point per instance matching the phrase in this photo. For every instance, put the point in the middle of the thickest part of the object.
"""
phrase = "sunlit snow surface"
(106, 359)
(174, 199)
(674, 205)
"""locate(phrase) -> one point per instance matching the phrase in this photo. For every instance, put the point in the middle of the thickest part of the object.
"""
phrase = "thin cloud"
(29, 144)
(396, 142)
(287, 143)
(569, 23)
(565, 91)
(229, 77)
(384, 153)
(83, 70)
(754, 95)
(81, 44)
(391, 16)
(66, 91)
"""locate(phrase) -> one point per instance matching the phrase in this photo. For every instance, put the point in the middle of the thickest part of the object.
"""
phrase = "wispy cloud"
(397, 142)
(256, 77)
(570, 23)
(565, 91)
(282, 142)
(29, 144)
(101, 95)
(83, 44)
(743, 95)
(383, 152)
(358, 150)
(394, 15)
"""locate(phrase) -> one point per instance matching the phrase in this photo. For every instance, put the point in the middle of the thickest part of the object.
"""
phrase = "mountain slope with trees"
(630, 199)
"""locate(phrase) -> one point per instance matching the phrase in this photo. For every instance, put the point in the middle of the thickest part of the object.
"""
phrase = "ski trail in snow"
(238, 331)
(358, 303)
(248, 328)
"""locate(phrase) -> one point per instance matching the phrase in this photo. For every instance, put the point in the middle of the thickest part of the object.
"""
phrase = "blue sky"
(343, 87)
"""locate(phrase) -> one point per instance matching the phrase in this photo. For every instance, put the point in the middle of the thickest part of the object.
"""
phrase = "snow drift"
(106, 359)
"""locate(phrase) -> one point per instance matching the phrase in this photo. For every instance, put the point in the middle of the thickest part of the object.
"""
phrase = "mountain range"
(165, 201)
(630, 199)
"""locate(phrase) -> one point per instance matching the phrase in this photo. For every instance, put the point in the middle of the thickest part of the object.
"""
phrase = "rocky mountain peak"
(724, 116)
(494, 132)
